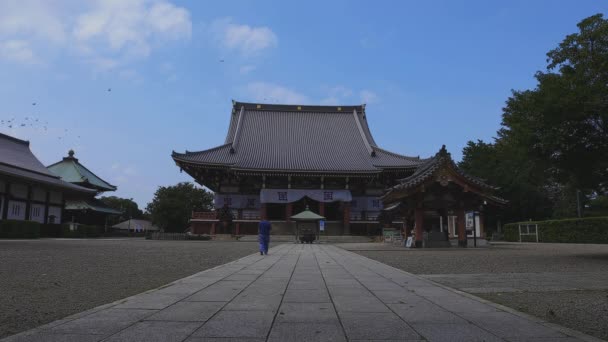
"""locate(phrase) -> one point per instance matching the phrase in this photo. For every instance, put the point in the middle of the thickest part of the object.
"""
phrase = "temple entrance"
(300, 205)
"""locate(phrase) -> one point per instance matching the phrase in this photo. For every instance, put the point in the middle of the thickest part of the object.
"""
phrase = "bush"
(50, 230)
(15, 229)
(82, 231)
(577, 230)
(201, 237)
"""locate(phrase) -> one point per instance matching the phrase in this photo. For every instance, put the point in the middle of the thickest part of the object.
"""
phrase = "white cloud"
(336, 95)
(368, 96)
(245, 69)
(17, 51)
(36, 18)
(131, 27)
(248, 40)
(105, 33)
(273, 93)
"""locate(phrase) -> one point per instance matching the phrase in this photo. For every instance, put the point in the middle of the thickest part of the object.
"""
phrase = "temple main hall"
(278, 160)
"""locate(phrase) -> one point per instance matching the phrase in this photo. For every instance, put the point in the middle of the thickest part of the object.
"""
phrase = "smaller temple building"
(28, 190)
(438, 199)
(86, 210)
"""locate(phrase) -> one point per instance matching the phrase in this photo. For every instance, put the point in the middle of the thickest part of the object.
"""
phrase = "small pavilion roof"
(17, 160)
(72, 171)
(299, 138)
(307, 215)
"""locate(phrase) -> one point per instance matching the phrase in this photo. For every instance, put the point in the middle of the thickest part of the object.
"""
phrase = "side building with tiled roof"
(89, 210)
(28, 190)
(278, 159)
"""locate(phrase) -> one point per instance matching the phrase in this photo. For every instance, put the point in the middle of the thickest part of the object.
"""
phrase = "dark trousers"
(264, 241)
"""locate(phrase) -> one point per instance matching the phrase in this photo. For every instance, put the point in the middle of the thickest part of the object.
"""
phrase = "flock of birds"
(33, 122)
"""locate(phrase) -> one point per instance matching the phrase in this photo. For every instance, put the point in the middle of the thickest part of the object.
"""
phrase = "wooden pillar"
(346, 218)
(46, 206)
(288, 211)
(322, 208)
(212, 231)
(419, 219)
(482, 228)
(462, 232)
(263, 211)
(5, 203)
(238, 228)
(28, 203)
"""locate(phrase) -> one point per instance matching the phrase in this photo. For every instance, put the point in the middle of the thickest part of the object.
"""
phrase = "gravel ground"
(499, 258)
(45, 280)
(550, 266)
(586, 311)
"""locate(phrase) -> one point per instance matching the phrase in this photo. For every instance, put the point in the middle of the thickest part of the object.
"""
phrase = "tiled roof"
(299, 139)
(92, 204)
(70, 170)
(428, 169)
(17, 160)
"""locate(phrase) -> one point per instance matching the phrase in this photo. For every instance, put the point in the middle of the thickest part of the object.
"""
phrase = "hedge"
(577, 230)
(82, 231)
(16, 229)
(50, 230)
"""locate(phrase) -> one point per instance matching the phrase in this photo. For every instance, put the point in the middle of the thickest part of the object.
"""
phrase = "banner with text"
(293, 195)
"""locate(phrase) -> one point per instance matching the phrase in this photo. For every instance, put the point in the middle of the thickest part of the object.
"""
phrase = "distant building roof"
(92, 204)
(72, 171)
(135, 224)
(17, 160)
(292, 138)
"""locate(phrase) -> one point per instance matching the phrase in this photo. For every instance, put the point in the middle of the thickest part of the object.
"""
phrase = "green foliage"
(129, 209)
(554, 138)
(198, 237)
(16, 229)
(82, 231)
(172, 206)
(583, 230)
(598, 206)
(50, 230)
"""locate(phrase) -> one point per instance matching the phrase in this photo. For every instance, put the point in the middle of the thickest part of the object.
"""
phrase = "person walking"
(264, 236)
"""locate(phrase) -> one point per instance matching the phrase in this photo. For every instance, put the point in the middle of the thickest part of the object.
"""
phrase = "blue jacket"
(264, 228)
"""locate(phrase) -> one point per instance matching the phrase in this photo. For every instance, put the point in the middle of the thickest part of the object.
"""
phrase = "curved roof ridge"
(399, 155)
(188, 153)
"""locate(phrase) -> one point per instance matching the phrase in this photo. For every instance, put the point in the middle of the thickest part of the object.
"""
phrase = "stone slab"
(307, 332)
(188, 312)
(307, 313)
(151, 331)
(252, 324)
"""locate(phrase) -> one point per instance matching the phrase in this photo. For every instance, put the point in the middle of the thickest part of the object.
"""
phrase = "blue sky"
(124, 83)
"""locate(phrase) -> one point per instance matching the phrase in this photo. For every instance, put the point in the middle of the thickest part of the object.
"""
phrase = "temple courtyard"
(297, 292)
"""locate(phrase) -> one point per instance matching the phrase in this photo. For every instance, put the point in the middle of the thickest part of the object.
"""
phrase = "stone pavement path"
(301, 293)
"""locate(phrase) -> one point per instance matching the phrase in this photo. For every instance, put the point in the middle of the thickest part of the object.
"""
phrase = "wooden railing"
(204, 215)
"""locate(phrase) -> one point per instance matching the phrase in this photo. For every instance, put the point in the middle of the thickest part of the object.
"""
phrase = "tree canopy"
(553, 140)
(172, 206)
(127, 206)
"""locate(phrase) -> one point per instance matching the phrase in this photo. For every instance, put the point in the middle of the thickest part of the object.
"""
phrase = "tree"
(172, 206)
(127, 206)
(553, 141)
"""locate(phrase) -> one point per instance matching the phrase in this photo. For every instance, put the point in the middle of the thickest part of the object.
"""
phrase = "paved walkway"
(301, 293)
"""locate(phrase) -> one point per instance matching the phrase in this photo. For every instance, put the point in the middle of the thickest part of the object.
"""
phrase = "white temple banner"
(366, 203)
(293, 195)
(236, 201)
